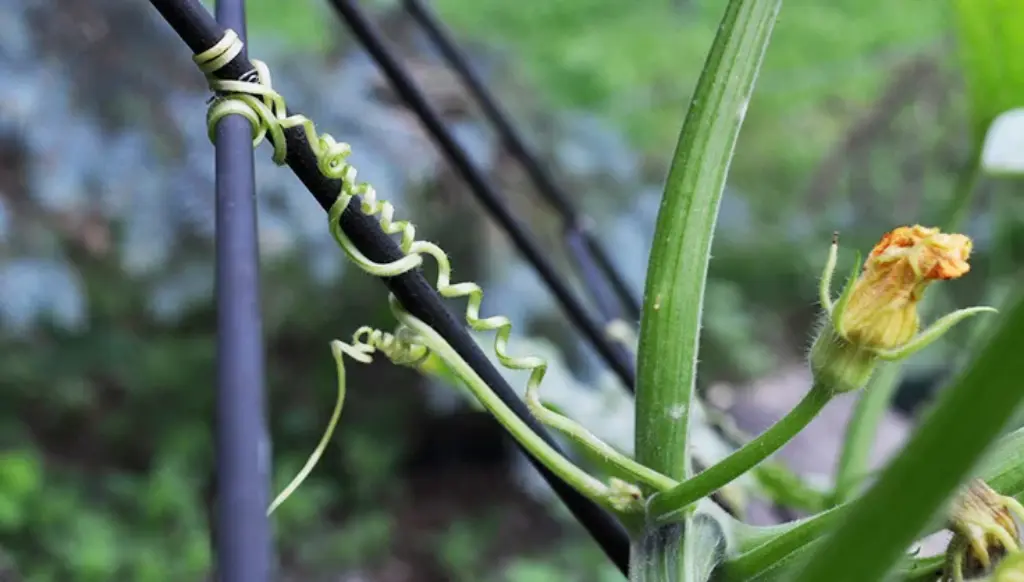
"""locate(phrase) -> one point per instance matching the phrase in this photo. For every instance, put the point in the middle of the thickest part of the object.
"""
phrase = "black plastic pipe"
(590, 257)
(616, 356)
(199, 31)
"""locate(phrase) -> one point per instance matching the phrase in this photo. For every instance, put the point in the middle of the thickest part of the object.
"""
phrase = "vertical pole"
(243, 455)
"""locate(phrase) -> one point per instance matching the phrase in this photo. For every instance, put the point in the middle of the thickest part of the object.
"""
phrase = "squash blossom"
(882, 311)
(876, 317)
(984, 530)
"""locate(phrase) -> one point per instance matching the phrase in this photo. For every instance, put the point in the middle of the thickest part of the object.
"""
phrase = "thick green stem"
(674, 293)
(657, 556)
(668, 504)
(676, 278)
(862, 429)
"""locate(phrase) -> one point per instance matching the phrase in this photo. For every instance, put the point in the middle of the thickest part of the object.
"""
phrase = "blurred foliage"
(573, 562)
(990, 45)
(305, 26)
(637, 62)
(106, 319)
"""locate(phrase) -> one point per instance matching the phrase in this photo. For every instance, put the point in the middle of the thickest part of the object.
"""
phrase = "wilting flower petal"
(882, 310)
(876, 317)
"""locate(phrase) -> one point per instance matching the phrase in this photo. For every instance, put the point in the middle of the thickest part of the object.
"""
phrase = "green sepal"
(934, 332)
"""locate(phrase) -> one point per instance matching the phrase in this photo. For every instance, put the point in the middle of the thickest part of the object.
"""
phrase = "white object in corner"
(1003, 150)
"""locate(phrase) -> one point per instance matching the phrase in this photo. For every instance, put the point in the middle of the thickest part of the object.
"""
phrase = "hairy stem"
(674, 293)
(657, 555)
(667, 505)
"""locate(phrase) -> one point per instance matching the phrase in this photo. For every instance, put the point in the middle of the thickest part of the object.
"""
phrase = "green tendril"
(617, 495)
(254, 98)
(365, 341)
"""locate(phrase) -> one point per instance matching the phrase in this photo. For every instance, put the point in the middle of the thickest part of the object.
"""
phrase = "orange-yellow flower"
(882, 308)
(876, 316)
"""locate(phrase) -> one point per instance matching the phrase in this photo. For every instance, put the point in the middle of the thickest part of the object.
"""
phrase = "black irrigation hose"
(241, 531)
(618, 358)
(587, 251)
(200, 32)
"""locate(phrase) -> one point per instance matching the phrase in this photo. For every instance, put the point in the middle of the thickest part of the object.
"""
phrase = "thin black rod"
(199, 31)
(590, 254)
(615, 355)
(593, 279)
(242, 533)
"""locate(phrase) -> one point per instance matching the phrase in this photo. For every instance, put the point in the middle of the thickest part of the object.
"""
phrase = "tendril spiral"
(254, 98)
(265, 108)
(400, 348)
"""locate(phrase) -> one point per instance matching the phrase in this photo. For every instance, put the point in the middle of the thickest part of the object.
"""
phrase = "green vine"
(365, 342)
(265, 109)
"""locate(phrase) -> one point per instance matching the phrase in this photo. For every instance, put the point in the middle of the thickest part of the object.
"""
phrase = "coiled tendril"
(400, 348)
(254, 98)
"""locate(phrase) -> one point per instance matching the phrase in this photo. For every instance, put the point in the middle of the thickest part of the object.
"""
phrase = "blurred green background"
(863, 119)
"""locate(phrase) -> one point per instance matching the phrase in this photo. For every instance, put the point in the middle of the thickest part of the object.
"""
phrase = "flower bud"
(882, 311)
(984, 530)
(876, 317)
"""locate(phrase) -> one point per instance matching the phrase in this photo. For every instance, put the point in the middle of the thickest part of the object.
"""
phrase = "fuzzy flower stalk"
(876, 317)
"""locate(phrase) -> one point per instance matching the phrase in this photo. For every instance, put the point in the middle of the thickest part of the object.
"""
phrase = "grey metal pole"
(243, 451)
